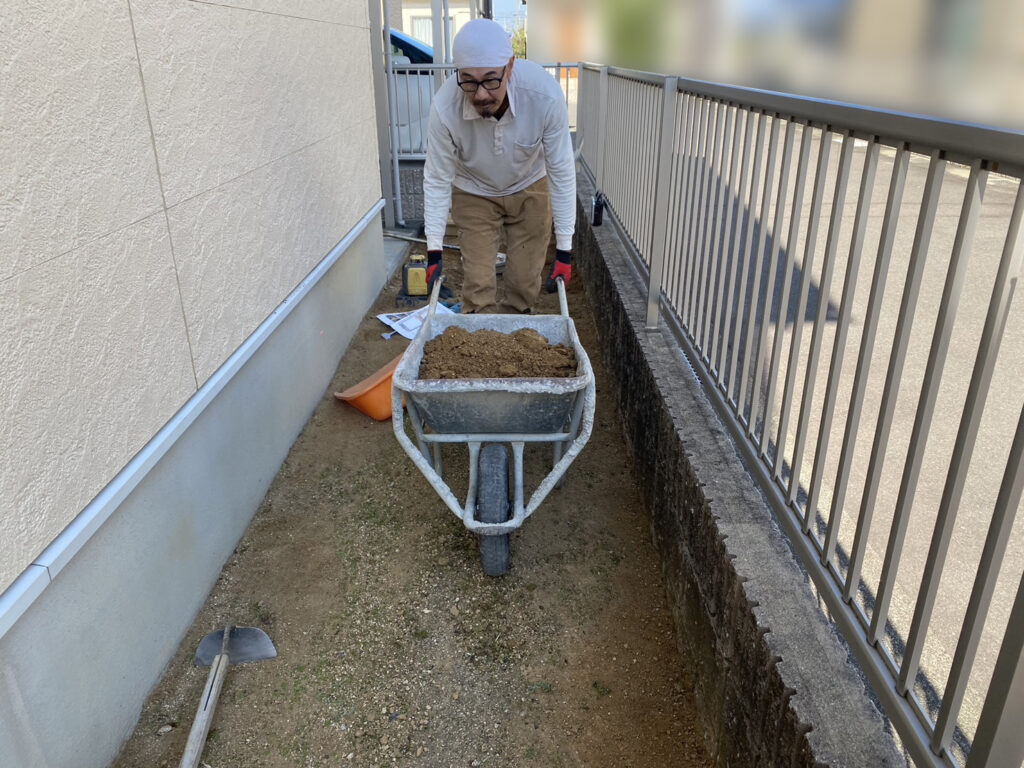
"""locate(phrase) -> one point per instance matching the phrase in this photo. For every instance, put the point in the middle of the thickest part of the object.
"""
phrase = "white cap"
(481, 43)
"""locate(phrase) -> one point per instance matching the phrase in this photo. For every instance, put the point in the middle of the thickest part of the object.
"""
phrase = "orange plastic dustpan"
(372, 395)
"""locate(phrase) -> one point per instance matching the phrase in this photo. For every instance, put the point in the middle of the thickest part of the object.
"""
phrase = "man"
(499, 154)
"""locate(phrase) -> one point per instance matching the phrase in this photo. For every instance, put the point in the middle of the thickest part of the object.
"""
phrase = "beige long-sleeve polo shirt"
(494, 158)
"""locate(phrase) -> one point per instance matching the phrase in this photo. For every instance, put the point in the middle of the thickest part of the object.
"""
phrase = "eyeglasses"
(490, 84)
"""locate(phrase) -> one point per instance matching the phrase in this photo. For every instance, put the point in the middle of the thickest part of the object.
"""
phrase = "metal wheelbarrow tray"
(517, 411)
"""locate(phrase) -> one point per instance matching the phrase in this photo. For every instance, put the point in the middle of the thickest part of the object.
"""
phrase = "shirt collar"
(470, 113)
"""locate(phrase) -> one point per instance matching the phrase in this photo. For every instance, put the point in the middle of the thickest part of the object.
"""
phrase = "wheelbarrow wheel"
(492, 507)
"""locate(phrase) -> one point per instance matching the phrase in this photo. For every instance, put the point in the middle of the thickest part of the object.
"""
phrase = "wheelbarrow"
(489, 416)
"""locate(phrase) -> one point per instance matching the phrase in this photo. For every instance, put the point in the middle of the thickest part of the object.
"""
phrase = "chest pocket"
(527, 153)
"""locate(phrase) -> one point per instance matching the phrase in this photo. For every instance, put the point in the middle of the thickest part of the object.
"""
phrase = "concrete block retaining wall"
(774, 683)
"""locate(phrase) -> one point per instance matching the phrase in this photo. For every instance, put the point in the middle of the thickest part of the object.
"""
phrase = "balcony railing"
(780, 232)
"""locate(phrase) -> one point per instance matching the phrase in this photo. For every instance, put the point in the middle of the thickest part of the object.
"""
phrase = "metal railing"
(776, 232)
(411, 88)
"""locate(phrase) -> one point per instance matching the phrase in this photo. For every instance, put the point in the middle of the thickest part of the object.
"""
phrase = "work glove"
(561, 269)
(434, 267)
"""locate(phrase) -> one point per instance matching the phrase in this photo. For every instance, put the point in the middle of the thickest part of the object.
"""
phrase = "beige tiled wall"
(171, 170)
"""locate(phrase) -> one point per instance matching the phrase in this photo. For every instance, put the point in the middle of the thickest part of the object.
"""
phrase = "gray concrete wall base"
(76, 667)
(774, 682)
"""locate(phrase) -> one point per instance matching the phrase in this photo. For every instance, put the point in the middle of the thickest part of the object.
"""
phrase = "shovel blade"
(245, 644)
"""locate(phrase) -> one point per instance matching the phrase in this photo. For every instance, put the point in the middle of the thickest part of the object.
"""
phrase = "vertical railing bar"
(699, 225)
(673, 197)
(424, 109)
(408, 107)
(653, 158)
(893, 376)
(828, 409)
(710, 222)
(630, 164)
(663, 181)
(647, 145)
(818, 333)
(762, 242)
(716, 232)
(613, 172)
(999, 739)
(591, 128)
(693, 123)
(679, 212)
(773, 267)
(953, 488)
(633, 118)
(412, 91)
(742, 266)
(693, 215)
(639, 168)
(810, 244)
(602, 138)
(693, 268)
(620, 168)
(714, 362)
(787, 278)
(897, 184)
(611, 122)
(707, 221)
(642, 172)
(631, 160)
(731, 318)
(393, 116)
(1009, 491)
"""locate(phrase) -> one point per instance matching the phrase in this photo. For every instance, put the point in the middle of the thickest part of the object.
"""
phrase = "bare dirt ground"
(395, 648)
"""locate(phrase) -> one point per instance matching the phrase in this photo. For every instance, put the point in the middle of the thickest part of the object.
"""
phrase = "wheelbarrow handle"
(563, 305)
(434, 294)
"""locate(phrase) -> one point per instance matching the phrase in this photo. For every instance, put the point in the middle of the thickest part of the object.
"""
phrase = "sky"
(505, 13)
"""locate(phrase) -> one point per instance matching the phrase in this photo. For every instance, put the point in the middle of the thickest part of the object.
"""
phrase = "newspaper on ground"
(408, 323)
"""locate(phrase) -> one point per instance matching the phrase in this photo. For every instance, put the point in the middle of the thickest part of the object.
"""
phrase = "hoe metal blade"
(245, 644)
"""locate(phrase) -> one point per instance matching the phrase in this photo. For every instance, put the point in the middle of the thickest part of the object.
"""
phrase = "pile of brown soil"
(459, 354)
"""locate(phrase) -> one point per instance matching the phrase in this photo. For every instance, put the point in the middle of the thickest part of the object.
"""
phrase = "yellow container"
(414, 277)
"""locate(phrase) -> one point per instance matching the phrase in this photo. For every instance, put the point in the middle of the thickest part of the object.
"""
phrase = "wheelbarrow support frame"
(556, 411)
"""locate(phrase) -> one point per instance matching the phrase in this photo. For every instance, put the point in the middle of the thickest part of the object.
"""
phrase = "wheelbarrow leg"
(438, 466)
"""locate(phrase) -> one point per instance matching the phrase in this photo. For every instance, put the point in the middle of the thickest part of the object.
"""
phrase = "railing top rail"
(427, 67)
(1001, 148)
(442, 66)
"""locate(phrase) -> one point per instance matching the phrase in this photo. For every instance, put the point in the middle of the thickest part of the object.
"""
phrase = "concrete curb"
(774, 683)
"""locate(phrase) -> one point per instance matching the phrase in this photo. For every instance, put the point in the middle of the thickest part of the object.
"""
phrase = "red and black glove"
(561, 269)
(434, 267)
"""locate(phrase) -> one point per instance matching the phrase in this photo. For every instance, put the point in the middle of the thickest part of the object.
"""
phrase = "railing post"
(659, 242)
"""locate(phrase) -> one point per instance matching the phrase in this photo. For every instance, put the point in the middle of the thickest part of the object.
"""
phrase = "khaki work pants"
(526, 218)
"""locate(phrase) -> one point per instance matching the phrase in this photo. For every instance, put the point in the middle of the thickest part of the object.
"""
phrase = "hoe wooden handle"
(204, 714)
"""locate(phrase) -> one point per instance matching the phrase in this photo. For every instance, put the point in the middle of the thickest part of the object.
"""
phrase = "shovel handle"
(204, 714)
